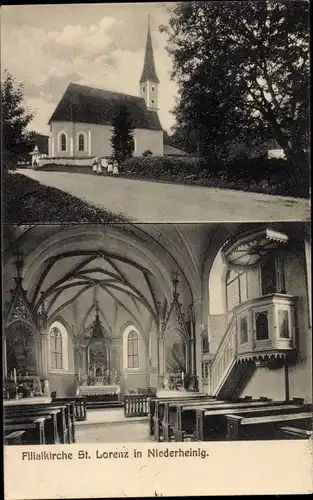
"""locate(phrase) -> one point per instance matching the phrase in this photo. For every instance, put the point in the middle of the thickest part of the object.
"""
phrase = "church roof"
(90, 105)
(149, 71)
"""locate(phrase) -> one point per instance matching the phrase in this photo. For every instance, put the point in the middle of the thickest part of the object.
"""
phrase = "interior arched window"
(56, 348)
(243, 330)
(132, 350)
(62, 142)
(81, 142)
(261, 322)
(236, 289)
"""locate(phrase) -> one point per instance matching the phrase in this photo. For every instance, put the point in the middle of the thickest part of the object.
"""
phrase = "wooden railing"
(136, 405)
(223, 359)
(79, 406)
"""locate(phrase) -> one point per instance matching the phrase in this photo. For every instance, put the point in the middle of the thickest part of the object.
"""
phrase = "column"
(44, 354)
(71, 146)
(89, 142)
(197, 344)
(160, 355)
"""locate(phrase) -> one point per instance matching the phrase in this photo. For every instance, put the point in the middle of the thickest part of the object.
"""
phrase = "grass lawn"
(25, 201)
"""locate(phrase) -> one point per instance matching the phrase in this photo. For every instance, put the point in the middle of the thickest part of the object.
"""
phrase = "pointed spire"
(175, 282)
(149, 71)
(97, 331)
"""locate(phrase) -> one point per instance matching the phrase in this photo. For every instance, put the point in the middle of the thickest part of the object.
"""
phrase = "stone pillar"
(44, 354)
(160, 355)
(197, 345)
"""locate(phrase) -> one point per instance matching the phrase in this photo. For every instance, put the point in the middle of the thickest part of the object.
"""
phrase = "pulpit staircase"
(228, 376)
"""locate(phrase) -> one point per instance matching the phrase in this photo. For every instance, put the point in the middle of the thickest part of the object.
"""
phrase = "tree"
(242, 69)
(122, 139)
(16, 141)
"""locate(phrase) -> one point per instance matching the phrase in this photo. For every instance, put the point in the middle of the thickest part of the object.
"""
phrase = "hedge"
(272, 176)
(26, 201)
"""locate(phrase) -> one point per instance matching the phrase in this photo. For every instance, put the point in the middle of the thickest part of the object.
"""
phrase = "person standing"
(95, 165)
(110, 167)
(115, 168)
(99, 167)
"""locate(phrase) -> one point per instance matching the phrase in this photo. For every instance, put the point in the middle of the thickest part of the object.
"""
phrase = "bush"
(272, 176)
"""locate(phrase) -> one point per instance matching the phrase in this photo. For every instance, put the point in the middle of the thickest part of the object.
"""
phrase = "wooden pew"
(65, 425)
(265, 427)
(156, 406)
(33, 427)
(296, 433)
(79, 402)
(170, 410)
(212, 424)
(186, 416)
(51, 425)
(14, 438)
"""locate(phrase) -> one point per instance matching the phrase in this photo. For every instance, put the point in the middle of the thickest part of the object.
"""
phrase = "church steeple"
(149, 81)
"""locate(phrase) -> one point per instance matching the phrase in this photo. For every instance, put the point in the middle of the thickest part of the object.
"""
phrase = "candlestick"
(15, 380)
(11, 375)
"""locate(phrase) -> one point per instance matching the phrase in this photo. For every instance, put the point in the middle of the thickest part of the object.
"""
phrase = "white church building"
(81, 125)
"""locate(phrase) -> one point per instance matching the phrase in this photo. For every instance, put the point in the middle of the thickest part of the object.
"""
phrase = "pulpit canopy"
(247, 249)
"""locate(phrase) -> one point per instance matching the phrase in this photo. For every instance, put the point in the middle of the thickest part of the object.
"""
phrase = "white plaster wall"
(99, 136)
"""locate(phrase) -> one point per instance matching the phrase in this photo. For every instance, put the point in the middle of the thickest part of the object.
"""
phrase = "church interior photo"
(189, 331)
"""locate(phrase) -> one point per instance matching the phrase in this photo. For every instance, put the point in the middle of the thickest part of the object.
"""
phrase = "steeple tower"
(149, 81)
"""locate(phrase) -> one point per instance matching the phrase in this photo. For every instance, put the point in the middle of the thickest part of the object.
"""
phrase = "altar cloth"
(98, 390)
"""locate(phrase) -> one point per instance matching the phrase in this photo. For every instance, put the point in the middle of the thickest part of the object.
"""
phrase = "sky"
(46, 47)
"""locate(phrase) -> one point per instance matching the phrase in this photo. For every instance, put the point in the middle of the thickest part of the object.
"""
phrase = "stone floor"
(132, 432)
(108, 416)
(111, 426)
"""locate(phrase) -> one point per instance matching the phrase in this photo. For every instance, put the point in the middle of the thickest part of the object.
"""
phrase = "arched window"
(56, 349)
(261, 323)
(81, 142)
(243, 330)
(236, 289)
(132, 350)
(63, 141)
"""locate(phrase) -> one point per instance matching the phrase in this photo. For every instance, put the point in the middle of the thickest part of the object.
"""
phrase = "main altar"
(97, 377)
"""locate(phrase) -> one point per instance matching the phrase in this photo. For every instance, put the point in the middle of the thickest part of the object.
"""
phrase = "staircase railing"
(224, 358)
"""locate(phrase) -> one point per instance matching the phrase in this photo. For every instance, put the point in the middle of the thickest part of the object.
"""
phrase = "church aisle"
(134, 432)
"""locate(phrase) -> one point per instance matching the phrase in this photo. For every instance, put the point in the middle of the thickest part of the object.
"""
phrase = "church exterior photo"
(81, 125)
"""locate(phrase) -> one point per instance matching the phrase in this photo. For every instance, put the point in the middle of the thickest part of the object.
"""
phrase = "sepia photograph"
(155, 112)
(138, 333)
(156, 249)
